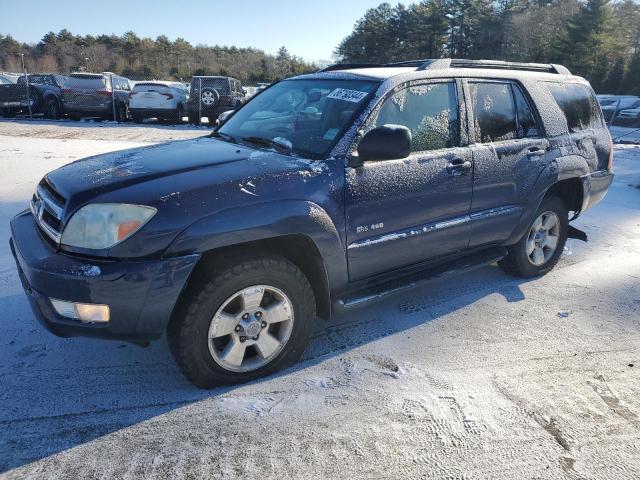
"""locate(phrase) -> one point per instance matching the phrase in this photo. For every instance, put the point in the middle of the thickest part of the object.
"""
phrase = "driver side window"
(430, 111)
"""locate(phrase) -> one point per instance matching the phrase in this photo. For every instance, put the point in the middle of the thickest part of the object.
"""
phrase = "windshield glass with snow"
(305, 116)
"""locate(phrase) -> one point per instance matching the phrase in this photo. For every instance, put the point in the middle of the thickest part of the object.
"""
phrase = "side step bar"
(422, 277)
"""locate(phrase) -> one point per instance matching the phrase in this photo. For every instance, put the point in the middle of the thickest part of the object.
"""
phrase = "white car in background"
(165, 101)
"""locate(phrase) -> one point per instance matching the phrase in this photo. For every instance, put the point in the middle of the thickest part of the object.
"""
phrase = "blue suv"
(322, 192)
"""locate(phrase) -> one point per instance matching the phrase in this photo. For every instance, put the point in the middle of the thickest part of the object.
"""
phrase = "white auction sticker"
(354, 96)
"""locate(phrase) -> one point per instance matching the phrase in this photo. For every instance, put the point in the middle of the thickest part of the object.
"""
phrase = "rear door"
(509, 151)
(402, 212)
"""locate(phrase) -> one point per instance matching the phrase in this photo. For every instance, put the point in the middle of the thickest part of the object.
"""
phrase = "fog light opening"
(85, 312)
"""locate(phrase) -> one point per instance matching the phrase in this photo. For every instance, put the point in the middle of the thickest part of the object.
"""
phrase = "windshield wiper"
(224, 136)
(268, 142)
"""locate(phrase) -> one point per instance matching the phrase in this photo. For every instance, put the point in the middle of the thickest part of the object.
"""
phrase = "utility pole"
(26, 81)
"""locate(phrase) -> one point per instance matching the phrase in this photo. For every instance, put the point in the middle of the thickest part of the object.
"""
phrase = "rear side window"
(494, 111)
(430, 111)
(526, 122)
(578, 104)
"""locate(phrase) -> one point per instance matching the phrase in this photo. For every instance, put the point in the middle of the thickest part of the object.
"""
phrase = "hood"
(112, 171)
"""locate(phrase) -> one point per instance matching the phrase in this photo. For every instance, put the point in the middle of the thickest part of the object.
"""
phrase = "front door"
(402, 212)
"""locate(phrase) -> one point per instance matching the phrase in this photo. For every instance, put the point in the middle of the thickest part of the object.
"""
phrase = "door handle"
(535, 151)
(458, 166)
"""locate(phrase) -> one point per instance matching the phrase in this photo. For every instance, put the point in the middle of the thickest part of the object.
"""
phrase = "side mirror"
(388, 142)
(224, 116)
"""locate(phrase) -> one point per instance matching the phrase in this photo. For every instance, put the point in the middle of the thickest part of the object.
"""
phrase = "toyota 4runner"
(323, 192)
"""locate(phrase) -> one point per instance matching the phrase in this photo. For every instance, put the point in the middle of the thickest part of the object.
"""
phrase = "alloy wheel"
(543, 238)
(251, 328)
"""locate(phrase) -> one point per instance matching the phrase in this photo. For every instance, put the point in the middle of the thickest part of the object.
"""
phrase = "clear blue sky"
(309, 29)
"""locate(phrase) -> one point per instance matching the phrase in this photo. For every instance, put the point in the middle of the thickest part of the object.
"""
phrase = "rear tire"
(199, 353)
(122, 113)
(533, 255)
(52, 109)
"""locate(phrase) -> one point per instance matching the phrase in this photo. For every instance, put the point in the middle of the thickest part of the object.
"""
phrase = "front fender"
(269, 220)
(562, 168)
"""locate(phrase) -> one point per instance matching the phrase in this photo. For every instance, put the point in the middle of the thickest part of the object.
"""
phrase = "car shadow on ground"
(61, 393)
(94, 122)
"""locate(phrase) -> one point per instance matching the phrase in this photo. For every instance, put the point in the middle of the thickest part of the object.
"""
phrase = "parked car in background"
(218, 95)
(326, 191)
(4, 80)
(165, 101)
(93, 94)
(613, 104)
(44, 94)
(633, 112)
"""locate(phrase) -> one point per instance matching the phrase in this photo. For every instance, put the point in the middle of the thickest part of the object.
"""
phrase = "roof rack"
(350, 66)
(499, 64)
(442, 63)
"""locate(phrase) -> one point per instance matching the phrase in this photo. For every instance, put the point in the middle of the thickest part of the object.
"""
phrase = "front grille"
(47, 206)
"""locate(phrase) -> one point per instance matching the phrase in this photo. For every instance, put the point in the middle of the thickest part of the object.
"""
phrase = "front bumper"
(594, 187)
(141, 294)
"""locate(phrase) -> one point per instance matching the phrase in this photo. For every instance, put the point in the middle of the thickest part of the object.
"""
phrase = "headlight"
(103, 225)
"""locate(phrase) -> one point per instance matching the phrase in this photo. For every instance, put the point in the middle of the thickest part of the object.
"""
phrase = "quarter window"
(430, 111)
(578, 104)
(493, 111)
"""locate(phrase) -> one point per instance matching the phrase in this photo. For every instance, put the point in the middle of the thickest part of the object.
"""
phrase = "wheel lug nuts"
(243, 339)
(238, 328)
(264, 324)
(258, 314)
(245, 316)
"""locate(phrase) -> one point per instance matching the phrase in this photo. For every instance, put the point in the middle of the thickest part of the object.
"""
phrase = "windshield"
(307, 115)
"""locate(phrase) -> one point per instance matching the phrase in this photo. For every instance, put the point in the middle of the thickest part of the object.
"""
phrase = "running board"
(422, 277)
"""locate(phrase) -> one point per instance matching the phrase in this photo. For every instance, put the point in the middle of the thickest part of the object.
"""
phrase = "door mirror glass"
(224, 116)
(387, 142)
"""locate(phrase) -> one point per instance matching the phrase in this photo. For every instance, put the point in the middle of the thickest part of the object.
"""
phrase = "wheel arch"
(300, 231)
(299, 249)
(562, 178)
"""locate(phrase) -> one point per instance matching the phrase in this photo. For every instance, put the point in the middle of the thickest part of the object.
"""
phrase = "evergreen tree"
(615, 77)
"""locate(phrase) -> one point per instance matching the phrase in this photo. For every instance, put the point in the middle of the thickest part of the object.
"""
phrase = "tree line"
(145, 58)
(597, 39)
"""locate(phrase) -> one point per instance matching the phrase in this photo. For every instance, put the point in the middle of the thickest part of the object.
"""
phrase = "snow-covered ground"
(480, 376)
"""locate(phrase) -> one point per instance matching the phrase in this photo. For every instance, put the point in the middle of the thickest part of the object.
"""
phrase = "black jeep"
(210, 96)
(323, 192)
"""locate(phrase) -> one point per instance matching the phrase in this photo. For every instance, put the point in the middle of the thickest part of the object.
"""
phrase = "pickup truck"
(324, 192)
(45, 96)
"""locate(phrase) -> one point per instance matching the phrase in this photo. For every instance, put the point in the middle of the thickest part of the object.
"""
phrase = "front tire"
(241, 320)
(539, 250)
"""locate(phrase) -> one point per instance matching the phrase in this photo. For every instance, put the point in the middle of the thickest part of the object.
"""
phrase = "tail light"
(104, 93)
(168, 95)
(66, 90)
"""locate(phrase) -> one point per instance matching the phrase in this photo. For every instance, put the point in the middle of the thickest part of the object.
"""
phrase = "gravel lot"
(480, 376)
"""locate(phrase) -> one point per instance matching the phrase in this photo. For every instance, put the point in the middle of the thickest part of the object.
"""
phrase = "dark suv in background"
(218, 94)
(323, 192)
(93, 94)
